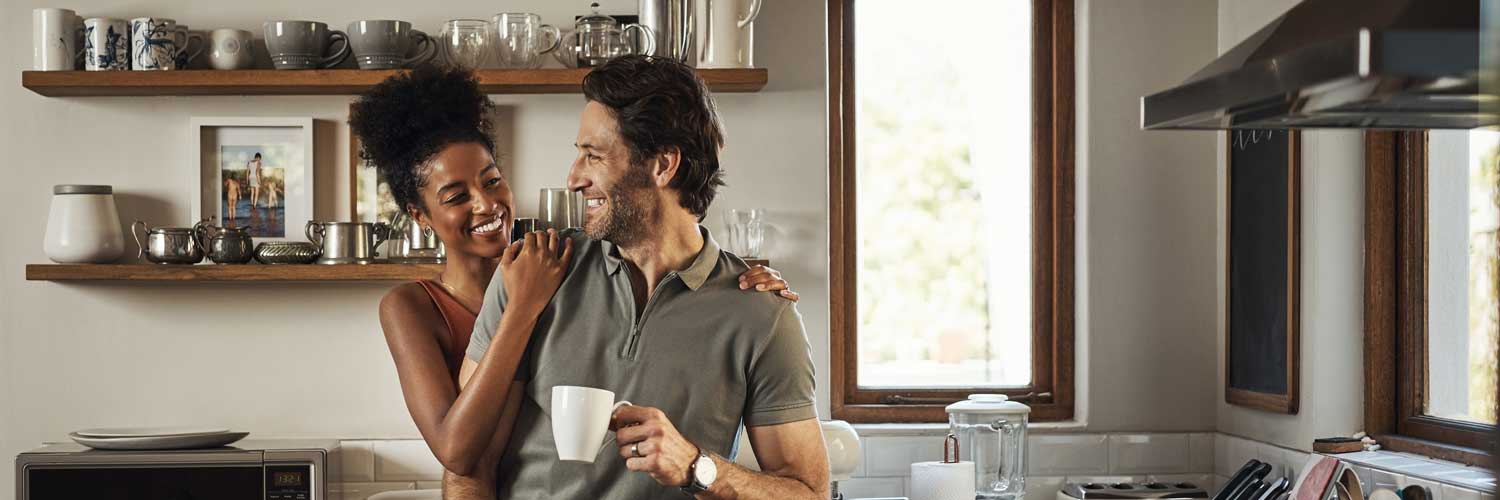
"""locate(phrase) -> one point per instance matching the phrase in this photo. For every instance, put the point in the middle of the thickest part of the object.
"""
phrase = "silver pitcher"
(224, 245)
(412, 244)
(671, 21)
(166, 245)
(347, 242)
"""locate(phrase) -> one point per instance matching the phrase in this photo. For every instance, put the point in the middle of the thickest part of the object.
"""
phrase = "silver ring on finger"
(635, 450)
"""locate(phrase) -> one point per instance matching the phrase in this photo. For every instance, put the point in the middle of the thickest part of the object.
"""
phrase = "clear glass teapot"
(991, 430)
(597, 38)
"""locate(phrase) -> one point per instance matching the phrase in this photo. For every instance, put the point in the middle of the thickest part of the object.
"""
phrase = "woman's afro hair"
(407, 119)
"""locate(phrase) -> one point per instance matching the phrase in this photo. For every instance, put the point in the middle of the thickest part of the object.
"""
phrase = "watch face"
(705, 471)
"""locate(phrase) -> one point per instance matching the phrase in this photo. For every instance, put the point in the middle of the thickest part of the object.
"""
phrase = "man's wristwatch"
(701, 474)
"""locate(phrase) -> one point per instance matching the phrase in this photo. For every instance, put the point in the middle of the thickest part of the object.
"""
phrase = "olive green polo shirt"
(703, 351)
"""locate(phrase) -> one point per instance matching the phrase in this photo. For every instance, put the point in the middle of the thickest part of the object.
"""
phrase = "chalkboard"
(1261, 292)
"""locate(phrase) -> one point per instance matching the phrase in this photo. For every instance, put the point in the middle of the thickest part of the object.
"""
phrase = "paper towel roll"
(940, 481)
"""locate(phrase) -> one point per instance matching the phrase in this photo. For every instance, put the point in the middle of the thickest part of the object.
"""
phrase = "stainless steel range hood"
(1398, 64)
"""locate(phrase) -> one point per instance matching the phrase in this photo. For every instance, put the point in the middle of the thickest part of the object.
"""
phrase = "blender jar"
(991, 430)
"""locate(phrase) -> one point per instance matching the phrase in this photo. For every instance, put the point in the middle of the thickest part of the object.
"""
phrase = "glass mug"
(522, 39)
(747, 230)
(466, 43)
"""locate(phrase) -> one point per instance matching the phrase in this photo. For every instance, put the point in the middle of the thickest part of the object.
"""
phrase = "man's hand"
(651, 444)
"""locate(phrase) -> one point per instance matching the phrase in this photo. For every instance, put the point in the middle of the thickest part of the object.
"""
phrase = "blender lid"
(988, 403)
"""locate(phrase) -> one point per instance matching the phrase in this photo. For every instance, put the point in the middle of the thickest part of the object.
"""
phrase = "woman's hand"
(765, 279)
(533, 268)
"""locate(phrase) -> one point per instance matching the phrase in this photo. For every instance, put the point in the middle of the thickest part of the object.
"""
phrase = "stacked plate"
(155, 438)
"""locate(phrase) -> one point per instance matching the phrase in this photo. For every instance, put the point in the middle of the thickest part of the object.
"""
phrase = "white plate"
(190, 441)
(139, 432)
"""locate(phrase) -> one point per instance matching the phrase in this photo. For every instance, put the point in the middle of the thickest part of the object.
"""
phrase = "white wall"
(1146, 217)
(1332, 274)
(309, 360)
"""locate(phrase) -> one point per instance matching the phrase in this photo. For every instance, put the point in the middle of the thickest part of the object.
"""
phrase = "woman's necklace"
(462, 297)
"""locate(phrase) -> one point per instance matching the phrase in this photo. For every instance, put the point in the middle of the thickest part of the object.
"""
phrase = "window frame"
(1395, 343)
(1050, 394)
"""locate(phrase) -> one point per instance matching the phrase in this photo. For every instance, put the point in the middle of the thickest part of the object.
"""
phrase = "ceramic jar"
(83, 225)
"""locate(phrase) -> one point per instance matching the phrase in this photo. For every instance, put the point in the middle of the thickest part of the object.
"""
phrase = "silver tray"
(181, 442)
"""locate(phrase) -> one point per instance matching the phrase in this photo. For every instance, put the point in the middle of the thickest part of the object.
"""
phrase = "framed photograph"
(256, 173)
(370, 198)
(1262, 326)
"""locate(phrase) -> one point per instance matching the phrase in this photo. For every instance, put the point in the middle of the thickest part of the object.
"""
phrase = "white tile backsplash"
(357, 461)
(1044, 487)
(1067, 455)
(1272, 455)
(406, 460)
(893, 455)
(1201, 456)
(868, 487)
(1222, 465)
(429, 485)
(361, 491)
(1149, 453)
(1240, 452)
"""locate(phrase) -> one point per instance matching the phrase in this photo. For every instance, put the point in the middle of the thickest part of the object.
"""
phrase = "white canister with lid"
(83, 225)
(991, 432)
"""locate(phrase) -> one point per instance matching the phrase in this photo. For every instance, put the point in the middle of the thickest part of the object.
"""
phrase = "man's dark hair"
(407, 119)
(257, 155)
(660, 104)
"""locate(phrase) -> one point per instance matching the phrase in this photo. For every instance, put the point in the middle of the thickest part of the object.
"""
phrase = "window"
(1432, 280)
(951, 204)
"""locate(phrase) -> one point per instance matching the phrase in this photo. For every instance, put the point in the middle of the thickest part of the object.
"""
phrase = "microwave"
(248, 470)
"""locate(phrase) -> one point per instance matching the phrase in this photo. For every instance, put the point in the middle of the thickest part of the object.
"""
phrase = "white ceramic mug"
(54, 43)
(106, 45)
(580, 418)
(230, 49)
(724, 32)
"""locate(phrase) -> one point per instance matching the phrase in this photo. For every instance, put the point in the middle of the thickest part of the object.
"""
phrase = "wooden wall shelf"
(325, 82)
(221, 273)
(241, 272)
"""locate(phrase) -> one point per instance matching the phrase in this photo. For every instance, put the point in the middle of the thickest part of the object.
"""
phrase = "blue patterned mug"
(154, 43)
(106, 44)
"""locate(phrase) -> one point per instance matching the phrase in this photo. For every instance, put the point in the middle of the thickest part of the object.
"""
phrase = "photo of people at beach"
(254, 185)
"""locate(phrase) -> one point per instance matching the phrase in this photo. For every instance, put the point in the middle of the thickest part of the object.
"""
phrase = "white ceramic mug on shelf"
(54, 43)
(230, 49)
(724, 33)
(580, 419)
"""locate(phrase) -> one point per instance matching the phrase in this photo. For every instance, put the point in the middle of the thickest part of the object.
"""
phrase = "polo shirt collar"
(696, 273)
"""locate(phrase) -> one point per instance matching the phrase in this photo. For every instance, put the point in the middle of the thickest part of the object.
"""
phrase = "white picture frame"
(281, 178)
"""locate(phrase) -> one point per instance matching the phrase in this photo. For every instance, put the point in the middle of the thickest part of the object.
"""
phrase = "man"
(651, 309)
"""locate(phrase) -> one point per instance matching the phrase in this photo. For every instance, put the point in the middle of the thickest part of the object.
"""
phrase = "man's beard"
(630, 210)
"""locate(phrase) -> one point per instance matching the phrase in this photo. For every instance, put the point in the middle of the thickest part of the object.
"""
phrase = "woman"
(428, 132)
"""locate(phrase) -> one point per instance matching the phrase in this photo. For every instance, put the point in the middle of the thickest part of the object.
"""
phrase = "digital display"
(286, 479)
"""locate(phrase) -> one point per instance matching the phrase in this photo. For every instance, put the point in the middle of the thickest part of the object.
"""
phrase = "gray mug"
(382, 44)
(301, 44)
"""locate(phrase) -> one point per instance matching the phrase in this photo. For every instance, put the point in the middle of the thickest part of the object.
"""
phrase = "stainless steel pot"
(347, 242)
(166, 245)
(410, 243)
(224, 245)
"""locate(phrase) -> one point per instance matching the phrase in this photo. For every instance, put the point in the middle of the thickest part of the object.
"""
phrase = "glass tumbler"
(466, 43)
(522, 39)
(746, 232)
